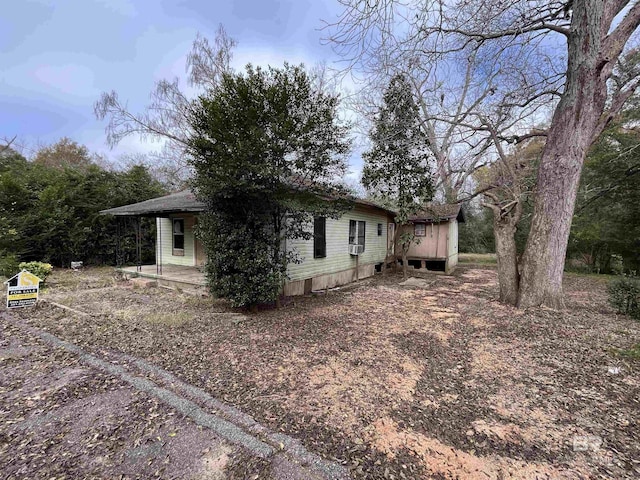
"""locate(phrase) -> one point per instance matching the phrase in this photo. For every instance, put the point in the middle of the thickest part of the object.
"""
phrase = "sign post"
(22, 290)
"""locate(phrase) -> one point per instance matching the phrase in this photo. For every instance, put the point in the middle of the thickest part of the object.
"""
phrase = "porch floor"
(170, 273)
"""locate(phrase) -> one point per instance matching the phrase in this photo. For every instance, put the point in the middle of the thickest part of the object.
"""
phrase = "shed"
(436, 231)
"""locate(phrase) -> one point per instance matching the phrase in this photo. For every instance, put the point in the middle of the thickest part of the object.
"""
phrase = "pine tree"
(396, 168)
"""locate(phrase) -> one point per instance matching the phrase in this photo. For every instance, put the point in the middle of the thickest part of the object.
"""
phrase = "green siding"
(338, 258)
(165, 245)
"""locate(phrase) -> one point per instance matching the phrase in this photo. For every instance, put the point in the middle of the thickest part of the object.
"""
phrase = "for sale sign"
(22, 290)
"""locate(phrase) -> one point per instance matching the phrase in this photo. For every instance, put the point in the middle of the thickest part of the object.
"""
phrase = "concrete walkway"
(287, 457)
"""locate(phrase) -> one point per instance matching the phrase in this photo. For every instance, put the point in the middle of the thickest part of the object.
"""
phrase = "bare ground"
(63, 419)
(398, 382)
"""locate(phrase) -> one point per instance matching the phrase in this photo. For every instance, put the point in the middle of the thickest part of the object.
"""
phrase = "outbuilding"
(436, 237)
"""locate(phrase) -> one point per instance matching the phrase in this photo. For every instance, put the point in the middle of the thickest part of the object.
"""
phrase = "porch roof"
(181, 202)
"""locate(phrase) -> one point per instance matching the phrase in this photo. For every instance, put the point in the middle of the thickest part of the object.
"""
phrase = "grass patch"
(633, 352)
(481, 258)
(201, 301)
(167, 319)
(88, 277)
(601, 277)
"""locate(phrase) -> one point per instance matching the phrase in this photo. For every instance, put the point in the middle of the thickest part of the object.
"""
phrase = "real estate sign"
(22, 290)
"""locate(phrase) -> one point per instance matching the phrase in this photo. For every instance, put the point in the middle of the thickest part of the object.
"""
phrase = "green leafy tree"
(476, 233)
(265, 150)
(51, 212)
(607, 219)
(396, 169)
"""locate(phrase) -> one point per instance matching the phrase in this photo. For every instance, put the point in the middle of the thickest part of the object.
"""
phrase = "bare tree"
(454, 85)
(66, 153)
(166, 118)
(582, 41)
(7, 144)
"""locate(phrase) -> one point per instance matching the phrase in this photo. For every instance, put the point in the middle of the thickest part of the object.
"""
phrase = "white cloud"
(71, 79)
(122, 7)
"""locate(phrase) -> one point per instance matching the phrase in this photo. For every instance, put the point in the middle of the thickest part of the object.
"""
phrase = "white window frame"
(357, 233)
(178, 252)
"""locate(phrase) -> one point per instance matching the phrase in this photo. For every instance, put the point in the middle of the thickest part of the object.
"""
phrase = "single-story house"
(342, 250)
(436, 232)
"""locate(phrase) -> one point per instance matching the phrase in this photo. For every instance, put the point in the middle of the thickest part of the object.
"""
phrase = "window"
(420, 229)
(178, 236)
(356, 232)
(379, 229)
(319, 237)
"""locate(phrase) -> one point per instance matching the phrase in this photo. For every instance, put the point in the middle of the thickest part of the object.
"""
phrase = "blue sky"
(57, 56)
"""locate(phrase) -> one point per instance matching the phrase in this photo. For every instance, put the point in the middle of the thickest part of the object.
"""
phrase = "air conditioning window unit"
(355, 249)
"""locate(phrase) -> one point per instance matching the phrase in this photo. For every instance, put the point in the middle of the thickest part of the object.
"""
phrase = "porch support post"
(138, 245)
(118, 242)
(159, 246)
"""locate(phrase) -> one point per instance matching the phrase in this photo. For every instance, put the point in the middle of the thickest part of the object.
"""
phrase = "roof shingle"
(184, 201)
(434, 213)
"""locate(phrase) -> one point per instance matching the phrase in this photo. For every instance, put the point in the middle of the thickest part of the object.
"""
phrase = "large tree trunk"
(572, 131)
(507, 257)
(544, 256)
(404, 263)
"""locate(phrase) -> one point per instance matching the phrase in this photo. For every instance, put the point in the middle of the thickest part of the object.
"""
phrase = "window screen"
(420, 229)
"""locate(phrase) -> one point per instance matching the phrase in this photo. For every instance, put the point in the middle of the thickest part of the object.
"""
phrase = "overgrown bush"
(8, 265)
(624, 295)
(240, 264)
(51, 213)
(39, 269)
(617, 264)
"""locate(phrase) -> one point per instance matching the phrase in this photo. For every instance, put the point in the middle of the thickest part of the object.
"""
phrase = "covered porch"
(179, 255)
(172, 276)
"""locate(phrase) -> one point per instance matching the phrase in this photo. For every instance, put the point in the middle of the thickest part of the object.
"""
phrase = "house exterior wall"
(434, 245)
(339, 267)
(164, 241)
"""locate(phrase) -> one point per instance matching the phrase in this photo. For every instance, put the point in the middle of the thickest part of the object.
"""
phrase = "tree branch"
(614, 43)
(7, 144)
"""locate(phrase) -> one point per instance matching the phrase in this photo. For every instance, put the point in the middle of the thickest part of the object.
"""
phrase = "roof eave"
(151, 213)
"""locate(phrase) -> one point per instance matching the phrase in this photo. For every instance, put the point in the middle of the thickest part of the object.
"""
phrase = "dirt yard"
(63, 419)
(436, 380)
